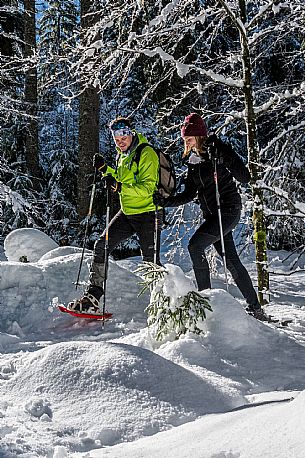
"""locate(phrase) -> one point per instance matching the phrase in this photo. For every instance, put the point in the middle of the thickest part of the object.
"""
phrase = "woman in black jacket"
(200, 184)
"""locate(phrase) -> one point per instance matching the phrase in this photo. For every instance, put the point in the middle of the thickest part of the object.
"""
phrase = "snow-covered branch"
(235, 19)
(13, 198)
(283, 134)
(271, 5)
(280, 97)
(277, 192)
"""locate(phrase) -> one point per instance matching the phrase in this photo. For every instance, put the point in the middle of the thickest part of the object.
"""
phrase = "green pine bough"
(171, 316)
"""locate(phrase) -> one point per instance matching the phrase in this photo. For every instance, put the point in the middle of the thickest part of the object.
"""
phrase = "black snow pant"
(209, 233)
(121, 227)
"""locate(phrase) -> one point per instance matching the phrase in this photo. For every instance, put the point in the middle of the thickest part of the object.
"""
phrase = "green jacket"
(138, 182)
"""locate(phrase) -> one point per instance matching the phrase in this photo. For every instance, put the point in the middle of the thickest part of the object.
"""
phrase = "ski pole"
(87, 227)
(156, 237)
(223, 251)
(107, 185)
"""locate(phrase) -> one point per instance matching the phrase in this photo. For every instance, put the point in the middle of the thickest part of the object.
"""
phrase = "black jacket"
(200, 182)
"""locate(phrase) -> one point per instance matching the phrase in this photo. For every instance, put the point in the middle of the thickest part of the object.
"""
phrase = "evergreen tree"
(58, 32)
(30, 93)
(11, 53)
(16, 197)
(174, 307)
(238, 37)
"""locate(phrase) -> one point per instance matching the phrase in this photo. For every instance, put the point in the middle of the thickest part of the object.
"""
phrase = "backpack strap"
(139, 149)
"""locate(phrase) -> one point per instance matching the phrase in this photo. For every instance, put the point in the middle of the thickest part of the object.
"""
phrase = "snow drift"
(69, 387)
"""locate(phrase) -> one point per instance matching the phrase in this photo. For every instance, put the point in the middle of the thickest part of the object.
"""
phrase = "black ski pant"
(209, 234)
(121, 227)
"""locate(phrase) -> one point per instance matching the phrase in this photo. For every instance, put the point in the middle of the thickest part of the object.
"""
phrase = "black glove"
(99, 163)
(111, 183)
(159, 200)
(214, 147)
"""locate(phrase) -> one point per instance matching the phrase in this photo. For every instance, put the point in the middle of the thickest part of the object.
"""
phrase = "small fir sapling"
(174, 308)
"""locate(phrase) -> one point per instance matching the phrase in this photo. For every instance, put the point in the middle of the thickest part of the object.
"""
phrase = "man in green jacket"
(136, 182)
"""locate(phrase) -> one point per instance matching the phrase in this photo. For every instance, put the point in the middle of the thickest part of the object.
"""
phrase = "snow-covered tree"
(11, 52)
(30, 94)
(174, 308)
(58, 32)
(21, 206)
(237, 41)
(14, 183)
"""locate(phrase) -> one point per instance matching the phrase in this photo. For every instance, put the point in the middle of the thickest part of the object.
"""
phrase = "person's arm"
(101, 165)
(236, 166)
(110, 171)
(187, 195)
(231, 160)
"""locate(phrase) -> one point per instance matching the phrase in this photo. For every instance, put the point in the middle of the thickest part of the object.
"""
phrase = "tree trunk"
(31, 137)
(260, 238)
(88, 139)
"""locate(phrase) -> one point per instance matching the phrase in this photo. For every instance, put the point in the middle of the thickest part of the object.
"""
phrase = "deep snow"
(70, 387)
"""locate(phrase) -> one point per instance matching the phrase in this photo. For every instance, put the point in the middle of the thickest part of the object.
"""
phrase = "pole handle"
(92, 194)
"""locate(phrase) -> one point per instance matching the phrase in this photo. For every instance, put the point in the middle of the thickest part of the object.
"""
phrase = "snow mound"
(108, 391)
(27, 291)
(7, 340)
(27, 242)
(236, 353)
(62, 251)
(238, 346)
(271, 430)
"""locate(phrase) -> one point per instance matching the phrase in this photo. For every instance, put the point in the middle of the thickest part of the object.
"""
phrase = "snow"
(266, 430)
(76, 388)
(33, 287)
(183, 69)
(20, 243)
(176, 284)
(164, 14)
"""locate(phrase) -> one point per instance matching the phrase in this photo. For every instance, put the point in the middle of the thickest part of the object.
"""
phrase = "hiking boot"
(258, 313)
(89, 303)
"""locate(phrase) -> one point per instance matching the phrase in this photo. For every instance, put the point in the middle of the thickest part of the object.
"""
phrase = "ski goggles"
(120, 129)
(122, 132)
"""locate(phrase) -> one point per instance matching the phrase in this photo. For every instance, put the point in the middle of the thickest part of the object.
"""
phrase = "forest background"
(69, 67)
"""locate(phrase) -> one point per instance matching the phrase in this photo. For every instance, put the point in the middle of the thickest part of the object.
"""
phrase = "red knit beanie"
(194, 126)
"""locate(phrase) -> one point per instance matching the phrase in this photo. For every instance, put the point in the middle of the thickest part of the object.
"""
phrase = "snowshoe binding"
(88, 304)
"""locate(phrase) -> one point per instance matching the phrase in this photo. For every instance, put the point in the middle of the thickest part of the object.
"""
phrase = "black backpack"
(167, 176)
